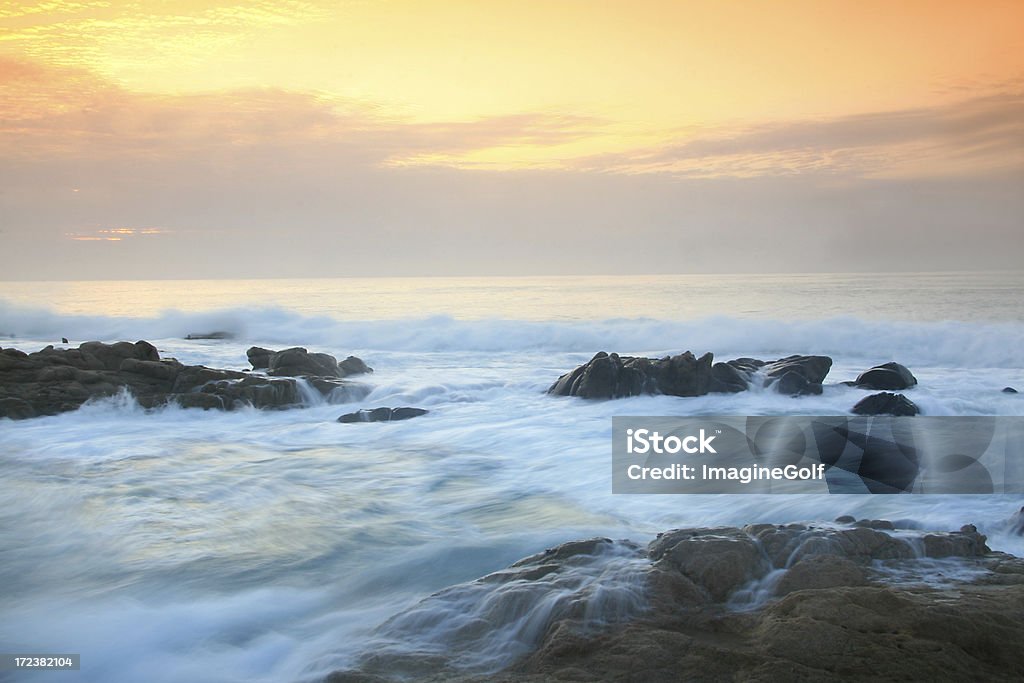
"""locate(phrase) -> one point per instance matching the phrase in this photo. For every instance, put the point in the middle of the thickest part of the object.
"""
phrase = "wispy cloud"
(971, 135)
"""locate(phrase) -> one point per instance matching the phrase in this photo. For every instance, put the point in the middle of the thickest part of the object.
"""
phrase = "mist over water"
(175, 545)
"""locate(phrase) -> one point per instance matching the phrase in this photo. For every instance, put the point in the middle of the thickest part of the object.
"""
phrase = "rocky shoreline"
(849, 600)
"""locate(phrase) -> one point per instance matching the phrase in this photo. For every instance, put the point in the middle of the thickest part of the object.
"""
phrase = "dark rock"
(888, 376)
(259, 357)
(733, 376)
(52, 380)
(64, 340)
(298, 362)
(354, 366)
(16, 409)
(1009, 390)
(797, 375)
(611, 376)
(845, 519)
(795, 384)
(1017, 522)
(886, 403)
(210, 335)
(382, 415)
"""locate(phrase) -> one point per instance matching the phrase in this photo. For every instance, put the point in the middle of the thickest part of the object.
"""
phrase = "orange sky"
(632, 75)
(836, 94)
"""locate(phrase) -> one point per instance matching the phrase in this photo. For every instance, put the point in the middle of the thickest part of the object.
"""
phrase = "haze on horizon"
(304, 138)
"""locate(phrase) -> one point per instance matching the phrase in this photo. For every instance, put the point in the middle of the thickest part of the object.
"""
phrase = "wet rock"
(52, 380)
(382, 415)
(886, 403)
(821, 571)
(613, 376)
(717, 560)
(888, 376)
(797, 375)
(734, 376)
(298, 362)
(1009, 390)
(210, 335)
(259, 357)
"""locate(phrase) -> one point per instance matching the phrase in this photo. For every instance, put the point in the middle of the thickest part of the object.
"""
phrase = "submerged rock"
(1009, 390)
(888, 376)
(886, 403)
(382, 415)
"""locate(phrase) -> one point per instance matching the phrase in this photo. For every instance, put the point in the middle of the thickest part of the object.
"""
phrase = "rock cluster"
(607, 376)
(53, 380)
(829, 610)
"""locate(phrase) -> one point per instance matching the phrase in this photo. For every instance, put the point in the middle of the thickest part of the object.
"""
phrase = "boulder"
(886, 403)
(1009, 390)
(734, 376)
(612, 376)
(298, 362)
(382, 415)
(888, 377)
(259, 357)
(797, 375)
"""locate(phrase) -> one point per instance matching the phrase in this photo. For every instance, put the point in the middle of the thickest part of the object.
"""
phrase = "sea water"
(174, 545)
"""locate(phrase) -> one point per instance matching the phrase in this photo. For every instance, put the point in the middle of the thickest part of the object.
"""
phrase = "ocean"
(174, 545)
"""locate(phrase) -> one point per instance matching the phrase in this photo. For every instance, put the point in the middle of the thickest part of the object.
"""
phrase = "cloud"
(967, 136)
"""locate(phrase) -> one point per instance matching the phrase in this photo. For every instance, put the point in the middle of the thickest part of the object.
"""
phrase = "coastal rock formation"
(298, 362)
(763, 602)
(886, 403)
(382, 415)
(53, 380)
(612, 376)
(886, 377)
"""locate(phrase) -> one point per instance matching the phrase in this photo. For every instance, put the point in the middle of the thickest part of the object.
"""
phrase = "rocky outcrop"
(53, 380)
(612, 376)
(886, 377)
(804, 602)
(382, 415)
(886, 403)
(299, 362)
(797, 375)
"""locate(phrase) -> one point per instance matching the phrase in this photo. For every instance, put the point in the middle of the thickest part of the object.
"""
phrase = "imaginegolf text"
(743, 475)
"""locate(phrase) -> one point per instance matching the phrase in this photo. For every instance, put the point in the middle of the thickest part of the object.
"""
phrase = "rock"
(797, 375)
(210, 335)
(717, 560)
(1009, 390)
(613, 376)
(354, 366)
(16, 409)
(832, 617)
(52, 380)
(886, 403)
(382, 415)
(1017, 522)
(820, 571)
(888, 376)
(259, 357)
(734, 376)
(795, 384)
(298, 362)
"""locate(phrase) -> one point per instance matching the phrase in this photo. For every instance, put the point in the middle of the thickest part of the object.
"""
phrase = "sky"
(301, 138)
